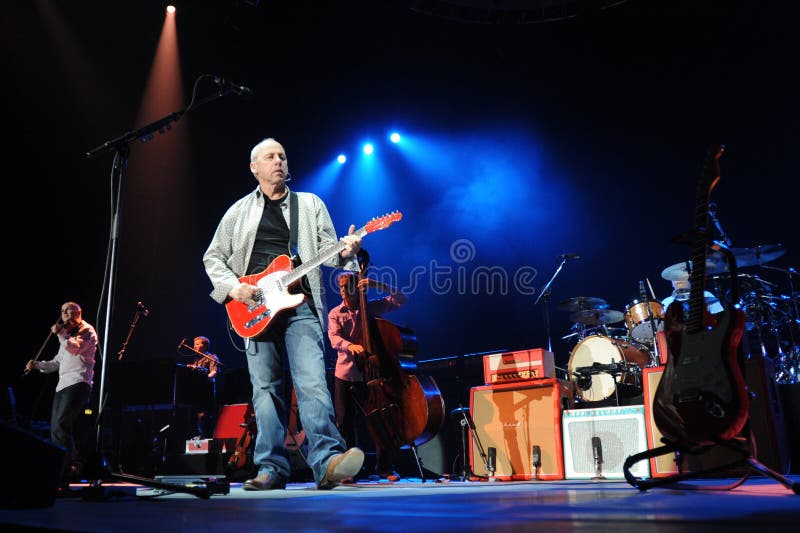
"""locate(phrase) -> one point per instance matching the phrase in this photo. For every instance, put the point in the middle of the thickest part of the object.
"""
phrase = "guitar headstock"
(710, 175)
(382, 222)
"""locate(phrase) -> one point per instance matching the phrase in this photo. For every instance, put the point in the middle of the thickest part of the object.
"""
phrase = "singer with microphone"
(261, 228)
(74, 362)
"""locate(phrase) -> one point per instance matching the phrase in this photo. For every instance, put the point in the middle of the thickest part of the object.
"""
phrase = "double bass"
(401, 409)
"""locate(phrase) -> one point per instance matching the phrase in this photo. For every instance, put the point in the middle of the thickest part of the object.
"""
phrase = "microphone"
(142, 308)
(491, 462)
(239, 90)
(597, 455)
(570, 256)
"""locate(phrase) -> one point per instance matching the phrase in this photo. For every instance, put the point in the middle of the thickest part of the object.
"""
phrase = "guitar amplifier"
(521, 365)
(667, 464)
(605, 435)
(522, 422)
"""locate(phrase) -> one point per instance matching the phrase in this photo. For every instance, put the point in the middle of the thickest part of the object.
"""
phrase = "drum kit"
(607, 359)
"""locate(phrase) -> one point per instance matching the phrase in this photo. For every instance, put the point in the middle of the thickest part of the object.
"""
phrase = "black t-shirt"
(272, 237)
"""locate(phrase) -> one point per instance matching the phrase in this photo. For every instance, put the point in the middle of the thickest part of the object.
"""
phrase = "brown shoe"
(264, 482)
(341, 467)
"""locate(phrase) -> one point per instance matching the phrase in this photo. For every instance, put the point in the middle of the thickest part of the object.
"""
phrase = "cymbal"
(679, 272)
(581, 303)
(757, 255)
(717, 264)
(597, 317)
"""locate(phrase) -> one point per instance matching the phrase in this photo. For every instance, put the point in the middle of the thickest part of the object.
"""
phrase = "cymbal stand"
(545, 294)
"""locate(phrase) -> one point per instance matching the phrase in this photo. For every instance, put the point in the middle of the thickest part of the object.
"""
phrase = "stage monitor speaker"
(522, 421)
(597, 441)
(663, 465)
(32, 474)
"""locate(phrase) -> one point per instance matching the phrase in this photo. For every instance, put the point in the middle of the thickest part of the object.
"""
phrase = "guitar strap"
(293, 225)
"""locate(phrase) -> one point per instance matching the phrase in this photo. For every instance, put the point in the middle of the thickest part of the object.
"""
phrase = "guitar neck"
(297, 274)
(710, 177)
(694, 323)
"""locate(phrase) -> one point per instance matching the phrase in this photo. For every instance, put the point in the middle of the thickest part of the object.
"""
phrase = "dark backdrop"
(584, 135)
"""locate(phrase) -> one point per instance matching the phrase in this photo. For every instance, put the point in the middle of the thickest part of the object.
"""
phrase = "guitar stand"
(673, 482)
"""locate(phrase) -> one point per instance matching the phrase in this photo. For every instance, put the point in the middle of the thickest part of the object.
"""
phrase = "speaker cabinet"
(32, 474)
(513, 418)
(609, 433)
(663, 465)
(767, 415)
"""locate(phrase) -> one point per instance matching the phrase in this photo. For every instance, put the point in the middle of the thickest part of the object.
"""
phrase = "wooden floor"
(758, 505)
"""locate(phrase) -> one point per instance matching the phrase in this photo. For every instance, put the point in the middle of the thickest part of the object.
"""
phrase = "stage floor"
(759, 504)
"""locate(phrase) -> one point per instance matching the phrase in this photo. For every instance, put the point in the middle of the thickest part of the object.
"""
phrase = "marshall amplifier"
(522, 365)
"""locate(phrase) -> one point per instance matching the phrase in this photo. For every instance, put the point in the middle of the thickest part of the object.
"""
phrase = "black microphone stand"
(120, 146)
(545, 294)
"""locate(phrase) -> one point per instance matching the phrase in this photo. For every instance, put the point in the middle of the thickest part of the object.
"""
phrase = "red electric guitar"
(702, 397)
(276, 280)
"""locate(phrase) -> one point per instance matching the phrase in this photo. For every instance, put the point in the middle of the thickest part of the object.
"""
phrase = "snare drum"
(638, 320)
(605, 351)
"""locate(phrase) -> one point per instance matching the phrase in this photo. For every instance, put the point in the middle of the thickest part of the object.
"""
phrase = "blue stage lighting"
(341, 159)
(368, 149)
(395, 137)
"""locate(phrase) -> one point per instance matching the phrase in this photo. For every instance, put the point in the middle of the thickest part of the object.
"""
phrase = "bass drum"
(595, 387)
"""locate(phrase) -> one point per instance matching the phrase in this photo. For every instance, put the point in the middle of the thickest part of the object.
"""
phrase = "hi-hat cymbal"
(597, 317)
(581, 303)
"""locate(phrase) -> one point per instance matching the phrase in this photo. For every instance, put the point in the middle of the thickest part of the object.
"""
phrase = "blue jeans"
(299, 334)
(68, 403)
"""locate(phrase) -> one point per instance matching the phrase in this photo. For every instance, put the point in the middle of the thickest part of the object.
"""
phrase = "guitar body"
(251, 322)
(702, 396)
(275, 281)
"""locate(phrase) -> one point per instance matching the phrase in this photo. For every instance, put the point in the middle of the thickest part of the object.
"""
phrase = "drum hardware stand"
(120, 146)
(545, 294)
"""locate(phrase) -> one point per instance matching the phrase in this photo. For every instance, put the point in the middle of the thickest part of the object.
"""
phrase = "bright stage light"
(368, 149)
(395, 137)
(341, 159)
(171, 10)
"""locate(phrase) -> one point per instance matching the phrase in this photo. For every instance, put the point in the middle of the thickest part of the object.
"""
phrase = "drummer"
(680, 291)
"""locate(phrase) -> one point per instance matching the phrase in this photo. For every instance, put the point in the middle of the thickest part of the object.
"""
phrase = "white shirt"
(713, 304)
(75, 358)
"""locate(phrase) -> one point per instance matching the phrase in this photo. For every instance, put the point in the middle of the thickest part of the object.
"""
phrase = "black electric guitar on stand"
(702, 398)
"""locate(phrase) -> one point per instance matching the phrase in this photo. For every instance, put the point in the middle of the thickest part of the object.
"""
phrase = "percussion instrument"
(638, 319)
(599, 366)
